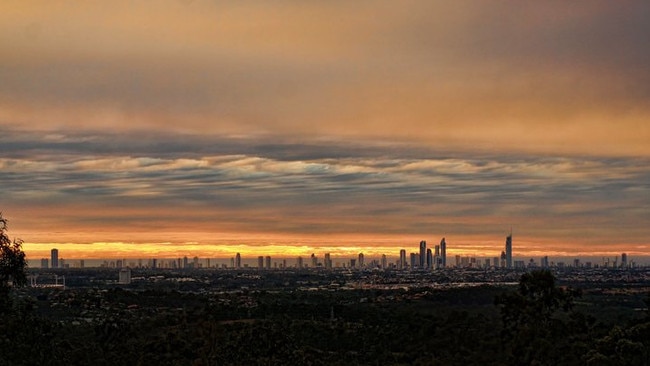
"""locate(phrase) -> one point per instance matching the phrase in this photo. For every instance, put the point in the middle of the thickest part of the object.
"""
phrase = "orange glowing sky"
(208, 127)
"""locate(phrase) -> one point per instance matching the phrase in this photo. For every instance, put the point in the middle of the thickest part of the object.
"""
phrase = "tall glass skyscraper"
(443, 252)
(509, 251)
(54, 260)
(402, 259)
(423, 253)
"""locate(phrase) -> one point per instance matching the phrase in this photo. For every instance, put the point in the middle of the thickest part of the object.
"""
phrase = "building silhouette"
(238, 261)
(314, 260)
(402, 259)
(423, 253)
(54, 258)
(544, 262)
(509, 251)
(443, 252)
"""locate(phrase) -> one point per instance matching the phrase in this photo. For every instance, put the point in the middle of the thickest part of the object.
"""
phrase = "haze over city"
(136, 129)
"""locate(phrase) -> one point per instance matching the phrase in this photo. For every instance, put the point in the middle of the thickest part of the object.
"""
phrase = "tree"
(535, 321)
(12, 261)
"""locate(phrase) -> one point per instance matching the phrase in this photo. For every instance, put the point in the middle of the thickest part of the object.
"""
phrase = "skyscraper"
(362, 260)
(624, 260)
(238, 261)
(402, 259)
(509, 251)
(54, 260)
(328, 261)
(314, 260)
(414, 260)
(260, 262)
(429, 263)
(268, 261)
(443, 252)
(384, 261)
(423, 253)
(544, 262)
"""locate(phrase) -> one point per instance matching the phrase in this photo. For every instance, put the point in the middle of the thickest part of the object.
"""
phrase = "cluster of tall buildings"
(425, 258)
(56, 262)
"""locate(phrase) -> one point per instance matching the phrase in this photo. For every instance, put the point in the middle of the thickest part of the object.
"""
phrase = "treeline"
(537, 324)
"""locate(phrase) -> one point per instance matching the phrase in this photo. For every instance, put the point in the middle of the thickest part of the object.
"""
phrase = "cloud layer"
(532, 76)
(166, 188)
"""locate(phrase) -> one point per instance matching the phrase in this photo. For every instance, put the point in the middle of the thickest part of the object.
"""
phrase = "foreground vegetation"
(538, 323)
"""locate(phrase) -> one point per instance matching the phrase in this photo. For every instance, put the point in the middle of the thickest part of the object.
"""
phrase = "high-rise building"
(195, 262)
(624, 260)
(544, 262)
(384, 261)
(54, 260)
(414, 260)
(186, 262)
(509, 251)
(423, 253)
(314, 260)
(268, 261)
(402, 259)
(362, 260)
(429, 263)
(328, 261)
(238, 261)
(45, 263)
(260, 262)
(299, 262)
(443, 252)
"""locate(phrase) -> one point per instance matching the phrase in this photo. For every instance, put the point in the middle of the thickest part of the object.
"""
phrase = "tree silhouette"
(534, 328)
(12, 261)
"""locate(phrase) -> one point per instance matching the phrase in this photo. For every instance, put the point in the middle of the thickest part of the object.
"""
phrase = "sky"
(205, 127)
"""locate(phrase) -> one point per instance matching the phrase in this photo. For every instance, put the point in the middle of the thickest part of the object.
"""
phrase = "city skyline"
(432, 261)
(217, 127)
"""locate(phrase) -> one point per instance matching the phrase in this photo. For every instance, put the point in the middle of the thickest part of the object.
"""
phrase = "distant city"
(423, 259)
